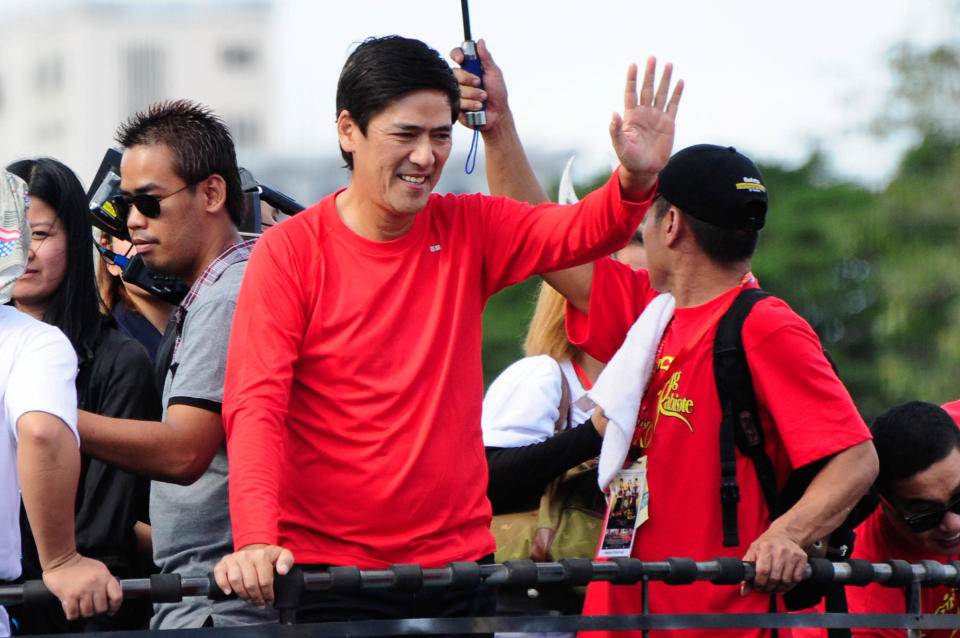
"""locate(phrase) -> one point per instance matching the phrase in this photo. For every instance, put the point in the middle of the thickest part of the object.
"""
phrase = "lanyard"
(584, 379)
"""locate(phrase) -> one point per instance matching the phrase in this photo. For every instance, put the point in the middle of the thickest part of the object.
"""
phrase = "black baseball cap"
(716, 184)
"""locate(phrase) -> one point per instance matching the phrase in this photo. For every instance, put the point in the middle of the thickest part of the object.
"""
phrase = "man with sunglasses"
(182, 201)
(918, 445)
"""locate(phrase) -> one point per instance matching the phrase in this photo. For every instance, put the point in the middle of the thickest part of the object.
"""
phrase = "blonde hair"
(547, 333)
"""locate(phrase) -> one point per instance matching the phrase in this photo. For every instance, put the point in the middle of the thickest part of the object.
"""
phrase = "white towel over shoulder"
(620, 386)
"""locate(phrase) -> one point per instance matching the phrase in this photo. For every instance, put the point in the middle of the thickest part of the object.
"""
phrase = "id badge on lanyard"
(627, 509)
(628, 493)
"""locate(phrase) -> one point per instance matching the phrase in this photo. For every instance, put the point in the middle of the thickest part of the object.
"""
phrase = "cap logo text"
(751, 184)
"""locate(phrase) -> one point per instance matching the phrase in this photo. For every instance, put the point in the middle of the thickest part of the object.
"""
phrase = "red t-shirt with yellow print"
(805, 411)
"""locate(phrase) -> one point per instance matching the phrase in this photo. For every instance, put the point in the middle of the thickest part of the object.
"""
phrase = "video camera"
(103, 215)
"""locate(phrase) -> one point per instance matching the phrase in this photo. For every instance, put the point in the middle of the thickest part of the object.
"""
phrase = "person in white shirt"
(39, 446)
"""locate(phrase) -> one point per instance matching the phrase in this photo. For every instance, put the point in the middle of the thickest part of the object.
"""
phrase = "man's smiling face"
(926, 491)
(399, 160)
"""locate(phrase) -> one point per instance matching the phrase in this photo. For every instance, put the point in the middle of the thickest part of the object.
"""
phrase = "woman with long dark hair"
(115, 378)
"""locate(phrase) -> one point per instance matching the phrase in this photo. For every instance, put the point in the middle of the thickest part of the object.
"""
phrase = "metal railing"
(622, 571)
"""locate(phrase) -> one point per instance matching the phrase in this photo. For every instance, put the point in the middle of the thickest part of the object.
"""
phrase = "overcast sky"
(772, 78)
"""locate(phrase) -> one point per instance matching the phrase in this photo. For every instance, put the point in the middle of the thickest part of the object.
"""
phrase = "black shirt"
(519, 475)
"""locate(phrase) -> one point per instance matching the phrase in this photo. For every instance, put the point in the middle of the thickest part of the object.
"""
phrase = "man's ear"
(671, 225)
(347, 131)
(214, 193)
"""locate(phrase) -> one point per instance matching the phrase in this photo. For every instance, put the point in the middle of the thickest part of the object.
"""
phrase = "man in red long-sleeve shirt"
(353, 385)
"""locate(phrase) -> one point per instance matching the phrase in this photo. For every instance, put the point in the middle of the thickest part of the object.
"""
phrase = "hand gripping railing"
(525, 573)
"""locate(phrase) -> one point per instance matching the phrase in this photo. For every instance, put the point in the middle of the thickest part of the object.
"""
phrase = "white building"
(72, 71)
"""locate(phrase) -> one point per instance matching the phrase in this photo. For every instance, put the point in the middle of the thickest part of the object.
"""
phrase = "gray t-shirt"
(191, 524)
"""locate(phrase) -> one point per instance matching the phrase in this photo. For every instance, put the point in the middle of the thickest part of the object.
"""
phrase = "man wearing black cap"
(700, 235)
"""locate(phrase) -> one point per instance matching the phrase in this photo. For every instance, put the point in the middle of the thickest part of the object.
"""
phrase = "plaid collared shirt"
(232, 255)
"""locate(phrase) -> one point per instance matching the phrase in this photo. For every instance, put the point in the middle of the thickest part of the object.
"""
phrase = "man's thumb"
(284, 561)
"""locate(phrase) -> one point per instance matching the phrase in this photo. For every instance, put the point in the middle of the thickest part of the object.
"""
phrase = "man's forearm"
(508, 171)
(162, 451)
(256, 452)
(135, 446)
(509, 174)
(48, 463)
(831, 495)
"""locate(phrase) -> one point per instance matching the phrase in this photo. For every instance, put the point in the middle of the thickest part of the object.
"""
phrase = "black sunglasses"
(148, 205)
(928, 520)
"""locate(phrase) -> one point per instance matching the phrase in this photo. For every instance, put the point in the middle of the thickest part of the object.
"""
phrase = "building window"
(144, 68)
(246, 131)
(238, 56)
(49, 131)
(48, 75)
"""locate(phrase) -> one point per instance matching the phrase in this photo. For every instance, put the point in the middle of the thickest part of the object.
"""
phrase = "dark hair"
(722, 245)
(110, 286)
(382, 69)
(911, 437)
(201, 145)
(75, 305)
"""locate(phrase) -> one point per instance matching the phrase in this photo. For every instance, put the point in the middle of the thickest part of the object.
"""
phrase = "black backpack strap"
(740, 427)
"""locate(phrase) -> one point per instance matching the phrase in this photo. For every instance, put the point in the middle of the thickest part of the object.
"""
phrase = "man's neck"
(368, 219)
(155, 311)
(694, 284)
(219, 242)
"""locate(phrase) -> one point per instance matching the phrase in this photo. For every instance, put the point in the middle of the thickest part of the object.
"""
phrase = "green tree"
(814, 255)
(508, 313)
(874, 272)
(925, 93)
(916, 235)
(505, 322)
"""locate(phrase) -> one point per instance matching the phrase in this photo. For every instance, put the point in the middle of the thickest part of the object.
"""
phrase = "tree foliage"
(925, 93)
(874, 272)
(505, 321)
(508, 313)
